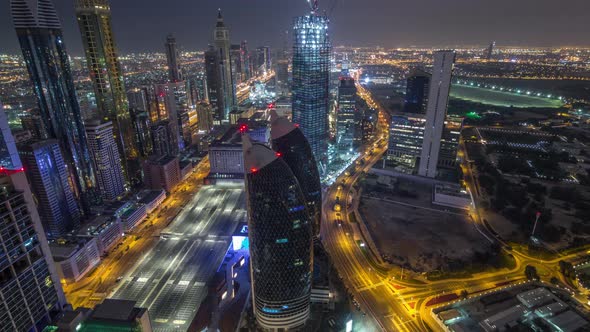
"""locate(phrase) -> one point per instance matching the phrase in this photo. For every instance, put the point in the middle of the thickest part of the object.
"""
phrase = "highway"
(171, 279)
(401, 305)
(94, 287)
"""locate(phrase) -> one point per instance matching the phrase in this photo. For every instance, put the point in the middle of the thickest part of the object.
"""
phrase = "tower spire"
(219, 18)
(313, 4)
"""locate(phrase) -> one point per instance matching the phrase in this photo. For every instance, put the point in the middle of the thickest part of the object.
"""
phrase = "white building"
(106, 159)
(74, 257)
(436, 111)
(105, 229)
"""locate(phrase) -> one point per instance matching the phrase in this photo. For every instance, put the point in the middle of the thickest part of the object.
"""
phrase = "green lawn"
(501, 98)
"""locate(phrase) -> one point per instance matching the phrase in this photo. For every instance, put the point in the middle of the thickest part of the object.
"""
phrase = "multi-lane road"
(94, 288)
(401, 305)
(171, 279)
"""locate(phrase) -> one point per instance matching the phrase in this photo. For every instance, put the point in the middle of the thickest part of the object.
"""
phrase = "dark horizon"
(142, 25)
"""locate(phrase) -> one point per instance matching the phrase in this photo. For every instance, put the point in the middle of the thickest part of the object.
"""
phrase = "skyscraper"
(222, 47)
(214, 84)
(292, 146)
(174, 71)
(172, 99)
(417, 86)
(348, 118)
(40, 36)
(107, 161)
(490, 50)
(9, 158)
(94, 20)
(263, 60)
(311, 77)
(30, 289)
(436, 111)
(280, 235)
(47, 174)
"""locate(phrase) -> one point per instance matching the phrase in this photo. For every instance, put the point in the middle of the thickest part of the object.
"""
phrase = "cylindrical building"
(280, 235)
(290, 143)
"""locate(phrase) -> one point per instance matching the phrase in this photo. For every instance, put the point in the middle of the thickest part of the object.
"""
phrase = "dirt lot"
(416, 233)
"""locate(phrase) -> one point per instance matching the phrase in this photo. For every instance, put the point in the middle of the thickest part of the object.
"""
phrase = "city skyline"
(380, 25)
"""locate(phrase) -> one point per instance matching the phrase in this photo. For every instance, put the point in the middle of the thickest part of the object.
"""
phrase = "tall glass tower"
(290, 143)
(311, 78)
(172, 57)
(222, 47)
(94, 20)
(47, 174)
(280, 234)
(39, 32)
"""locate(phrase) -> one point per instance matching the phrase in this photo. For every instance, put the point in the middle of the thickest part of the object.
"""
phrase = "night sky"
(142, 25)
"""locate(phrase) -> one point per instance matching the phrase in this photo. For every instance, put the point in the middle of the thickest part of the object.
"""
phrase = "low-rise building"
(151, 199)
(504, 319)
(536, 297)
(452, 195)
(106, 229)
(74, 257)
(117, 315)
(132, 215)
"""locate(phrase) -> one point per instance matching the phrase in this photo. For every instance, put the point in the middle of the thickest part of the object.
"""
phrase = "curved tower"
(280, 235)
(293, 147)
(39, 32)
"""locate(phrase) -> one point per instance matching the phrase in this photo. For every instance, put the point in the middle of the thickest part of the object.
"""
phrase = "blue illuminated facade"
(47, 174)
(311, 77)
(40, 36)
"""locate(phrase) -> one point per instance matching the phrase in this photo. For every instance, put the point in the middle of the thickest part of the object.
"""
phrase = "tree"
(464, 293)
(531, 272)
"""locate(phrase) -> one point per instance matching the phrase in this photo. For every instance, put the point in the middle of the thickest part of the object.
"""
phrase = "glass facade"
(47, 63)
(311, 78)
(280, 235)
(48, 177)
(417, 86)
(94, 20)
(296, 152)
(406, 135)
(30, 293)
(347, 117)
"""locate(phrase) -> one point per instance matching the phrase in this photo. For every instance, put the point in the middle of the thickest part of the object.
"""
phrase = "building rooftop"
(114, 309)
(503, 318)
(148, 196)
(568, 321)
(63, 249)
(97, 225)
(536, 297)
(280, 126)
(256, 156)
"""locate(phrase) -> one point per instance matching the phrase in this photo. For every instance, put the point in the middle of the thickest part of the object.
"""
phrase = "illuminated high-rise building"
(47, 173)
(280, 236)
(236, 61)
(30, 292)
(173, 101)
(173, 58)
(94, 20)
(221, 43)
(214, 84)
(39, 32)
(490, 50)
(348, 118)
(290, 143)
(436, 112)
(311, 78)
(106, 159)
(263, 60)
